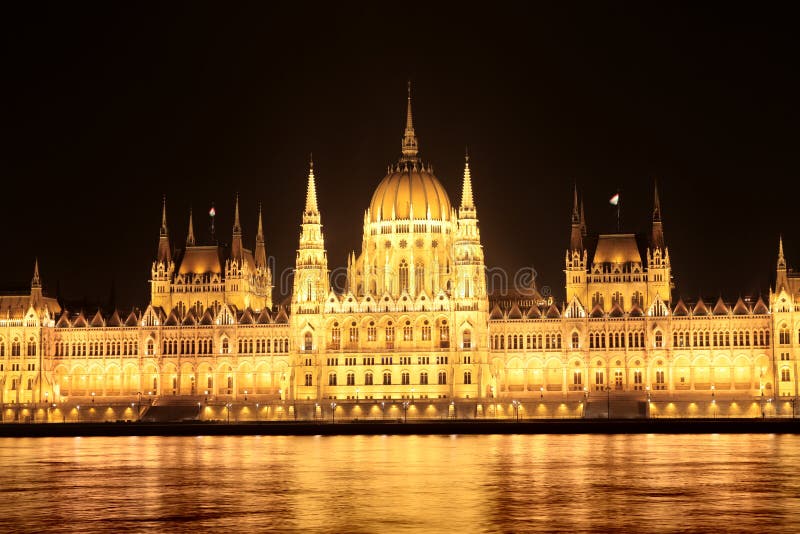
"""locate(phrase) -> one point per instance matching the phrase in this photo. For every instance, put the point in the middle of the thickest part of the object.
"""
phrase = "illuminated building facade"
(416, 332)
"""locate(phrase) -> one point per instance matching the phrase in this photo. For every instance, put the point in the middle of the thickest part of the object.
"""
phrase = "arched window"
(351, 379)
(15, 347)
(784, 336)
(442, 377)
(575, 340)
(616, 299)
(423, 378)
(419, 277)
(659, 339)
(225, 348)
(597, 299)
(405, 378)
(150, 347)
(332, 379)
(785, 375)
(308, 341)
(466, 339)
(444, 335)
(403, 276)
(637, 299)
(368, 378)
(387, 378)
(31, 347)
(467, 377)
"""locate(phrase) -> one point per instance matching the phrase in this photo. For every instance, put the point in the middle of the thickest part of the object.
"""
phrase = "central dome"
(409, 188)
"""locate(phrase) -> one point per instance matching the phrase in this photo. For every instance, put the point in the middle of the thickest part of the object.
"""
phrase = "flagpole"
(619, 205)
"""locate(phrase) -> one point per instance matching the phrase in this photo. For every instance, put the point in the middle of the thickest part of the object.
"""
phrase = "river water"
(455, 484)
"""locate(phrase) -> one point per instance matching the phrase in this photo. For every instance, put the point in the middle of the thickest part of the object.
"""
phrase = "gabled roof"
(132, 319)
(534, 313)
(740, 308)
(496, 313)
(636, 311)
(97, 320)
(617, 248)
(80, 321)
(515, 312)
(114, 320)
(207, 318)
(553, 312)
(720, 308)
(191, 318)
(247, 317)
(597, 311)
(264, 317)
(282, 317)
(760, 308)
(700, 308)
(63, 321)
(680, 309)
(616, 311)
(172, 319)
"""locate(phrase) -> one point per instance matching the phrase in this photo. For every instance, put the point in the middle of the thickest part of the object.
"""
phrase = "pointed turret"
(261, 251)
(35, 281)
(781, 280)
(467, 202)
(190, 234)
(658, 230)
(410, 147)
(311, 213)
(236, 243)
(164, 253)
(576, 236)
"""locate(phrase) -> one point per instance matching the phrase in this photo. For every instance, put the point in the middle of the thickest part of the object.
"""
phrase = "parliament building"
(416, 332)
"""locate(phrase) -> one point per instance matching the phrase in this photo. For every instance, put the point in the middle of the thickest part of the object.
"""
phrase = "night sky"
(107, 107)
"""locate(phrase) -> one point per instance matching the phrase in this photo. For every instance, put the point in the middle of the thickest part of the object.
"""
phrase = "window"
(423, 378)
(637, 299)
(403, 276)
(351, 379)
(308, 341)
(597, 299)
(31, 348)
(599, 379)
(577, 378)
(387, 378)
(332, 379)
(150, 347)
(372, 332)
(785, 375)
(367, 379)
(637, 380)
(616, 299)
(15, 348)
(660, 384)
(309, 379)
(444, 335)
(784, 336)
(575, 340)
(426, 332)
(659, 341)
(419, 277)
(405, 378)
(336, 336)
(467, 377)
(466, 339)
(389, 337)
(442, 377)
(408, 332)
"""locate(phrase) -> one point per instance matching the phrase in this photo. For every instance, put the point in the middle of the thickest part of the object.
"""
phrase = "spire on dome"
(576, 218)
(410, 147)
(164, 253)
(190, 234)
(36, 282)
(467, 201)
(311, 190)
(781, 259)
(656, 204)
(237, 228)
(261, 253)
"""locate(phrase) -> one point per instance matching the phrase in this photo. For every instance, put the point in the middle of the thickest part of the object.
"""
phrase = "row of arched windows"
(405, 378)
(736, 338)
(127, 347)
(615, 340)
(526, 342)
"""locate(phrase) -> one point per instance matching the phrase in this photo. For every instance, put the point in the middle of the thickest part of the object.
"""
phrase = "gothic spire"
(781, 259)
(658, 230)
(164, 253)
(576, 235)
(261, 252)
(36, 282)
(236, 243)
(311, 192)
(467, 201)
(409, 139)
(190, 234)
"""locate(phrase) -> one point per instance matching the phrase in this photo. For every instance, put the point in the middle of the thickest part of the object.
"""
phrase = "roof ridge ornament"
(410, 147)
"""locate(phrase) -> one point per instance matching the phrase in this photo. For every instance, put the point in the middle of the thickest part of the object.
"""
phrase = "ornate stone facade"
(416, 332)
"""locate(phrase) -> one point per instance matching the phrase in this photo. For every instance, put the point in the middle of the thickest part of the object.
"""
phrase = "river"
(455, 484)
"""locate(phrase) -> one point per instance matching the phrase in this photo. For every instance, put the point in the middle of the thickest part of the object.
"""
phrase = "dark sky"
(106, 107)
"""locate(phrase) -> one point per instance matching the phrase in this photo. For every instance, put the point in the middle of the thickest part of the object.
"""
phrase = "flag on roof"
(614, 200)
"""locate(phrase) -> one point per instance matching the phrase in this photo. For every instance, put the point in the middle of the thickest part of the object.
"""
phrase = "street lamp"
(647, 388)
(333, 412)
(228, 409)
(405, 411)
(412, 395)
(256, 412)
(79, 412)
(316, 407)
(541, 392)
(357, 390)
(713, 403)
(585, 401)
(608, 402)
(453, 404)
(206, 400)
(383, 410)
(515, 403)
(245, 395)
(92, 397)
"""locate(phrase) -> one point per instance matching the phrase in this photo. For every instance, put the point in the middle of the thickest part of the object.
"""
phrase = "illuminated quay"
(414, 334)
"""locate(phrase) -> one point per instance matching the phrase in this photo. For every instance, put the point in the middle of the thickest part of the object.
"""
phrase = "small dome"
(408, 186)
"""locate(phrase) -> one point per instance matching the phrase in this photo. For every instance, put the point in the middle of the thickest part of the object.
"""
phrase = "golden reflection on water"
(402, 483)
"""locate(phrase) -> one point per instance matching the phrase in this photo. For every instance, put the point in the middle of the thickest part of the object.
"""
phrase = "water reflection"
(402, 483)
